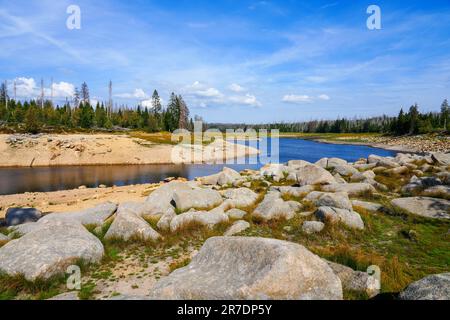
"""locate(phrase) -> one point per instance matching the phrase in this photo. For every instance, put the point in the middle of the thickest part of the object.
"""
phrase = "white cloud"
(147, 103)
(299, 99)
(248, 100)
(26, 87)
(63, 90)
(94, 102)
(292, 98)
(235, 87)
(137, 94)
(201, 91)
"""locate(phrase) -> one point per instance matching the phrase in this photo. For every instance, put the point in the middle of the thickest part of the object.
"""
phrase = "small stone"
(237, 227)
(311, 227)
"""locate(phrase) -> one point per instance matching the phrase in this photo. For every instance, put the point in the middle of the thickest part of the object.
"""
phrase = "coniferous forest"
(34, 116)
(37, 115)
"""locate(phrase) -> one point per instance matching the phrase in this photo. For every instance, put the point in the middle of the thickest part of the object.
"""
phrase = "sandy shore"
(106, 149)
(405, 144)
(76, 199)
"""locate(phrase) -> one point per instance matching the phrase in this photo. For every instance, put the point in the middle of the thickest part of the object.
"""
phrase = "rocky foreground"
(250, 235)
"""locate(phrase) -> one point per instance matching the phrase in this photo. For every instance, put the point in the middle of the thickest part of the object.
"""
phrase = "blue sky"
(235, 61)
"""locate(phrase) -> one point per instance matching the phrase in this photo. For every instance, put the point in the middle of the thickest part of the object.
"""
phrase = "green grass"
(13, 286)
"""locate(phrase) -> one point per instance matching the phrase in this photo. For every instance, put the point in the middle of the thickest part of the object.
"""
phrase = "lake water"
(44, 179)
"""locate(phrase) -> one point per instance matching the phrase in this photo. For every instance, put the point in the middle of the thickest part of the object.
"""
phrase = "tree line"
(36, 115)
(410, 122)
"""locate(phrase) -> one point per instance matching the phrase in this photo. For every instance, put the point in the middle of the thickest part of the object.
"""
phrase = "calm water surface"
(19, 180)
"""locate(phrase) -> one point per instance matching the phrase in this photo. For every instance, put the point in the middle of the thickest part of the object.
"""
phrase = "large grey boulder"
(237, 227)
(95, 216)
(331, 162)
(369, 206)
(16, 216)
(244, 268)
(442, 191)
(273, 208)
(418, 184)
(440, 158)
(240, 197)
(435, 287)
(296, 206)
(424, 206)
(314, 196)
(49, 250)
(3, 237)
(196, 198)
(335, 200)
(345, 170)
(275, 171)
(350, 218)
(210, 180)
(363, 176)
(387, 163)
(356, 280)
(236, 213)
(374, 159)
(226, 177)
(352, 189)
(298, 163)
(202, 218)
(313, 175)
(159, 201)
(128, 225)
(310, 227)
(338, 178)
(166, 218)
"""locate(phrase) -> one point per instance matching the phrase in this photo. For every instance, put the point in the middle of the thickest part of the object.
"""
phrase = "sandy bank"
(405, 144)
(76, 199)
(105, 149)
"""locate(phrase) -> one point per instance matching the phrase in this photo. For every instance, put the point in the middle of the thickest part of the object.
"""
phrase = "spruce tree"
(85, 93)
(445, 115)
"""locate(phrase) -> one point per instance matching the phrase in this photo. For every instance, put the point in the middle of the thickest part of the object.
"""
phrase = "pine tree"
(76, 98)
(32, 123)
(3, 93)
(172, 114)
(87, 115)
(414, 119)
(183, 119)
(85, 93)
(445, 115)
(157, 109)
(156, 103)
